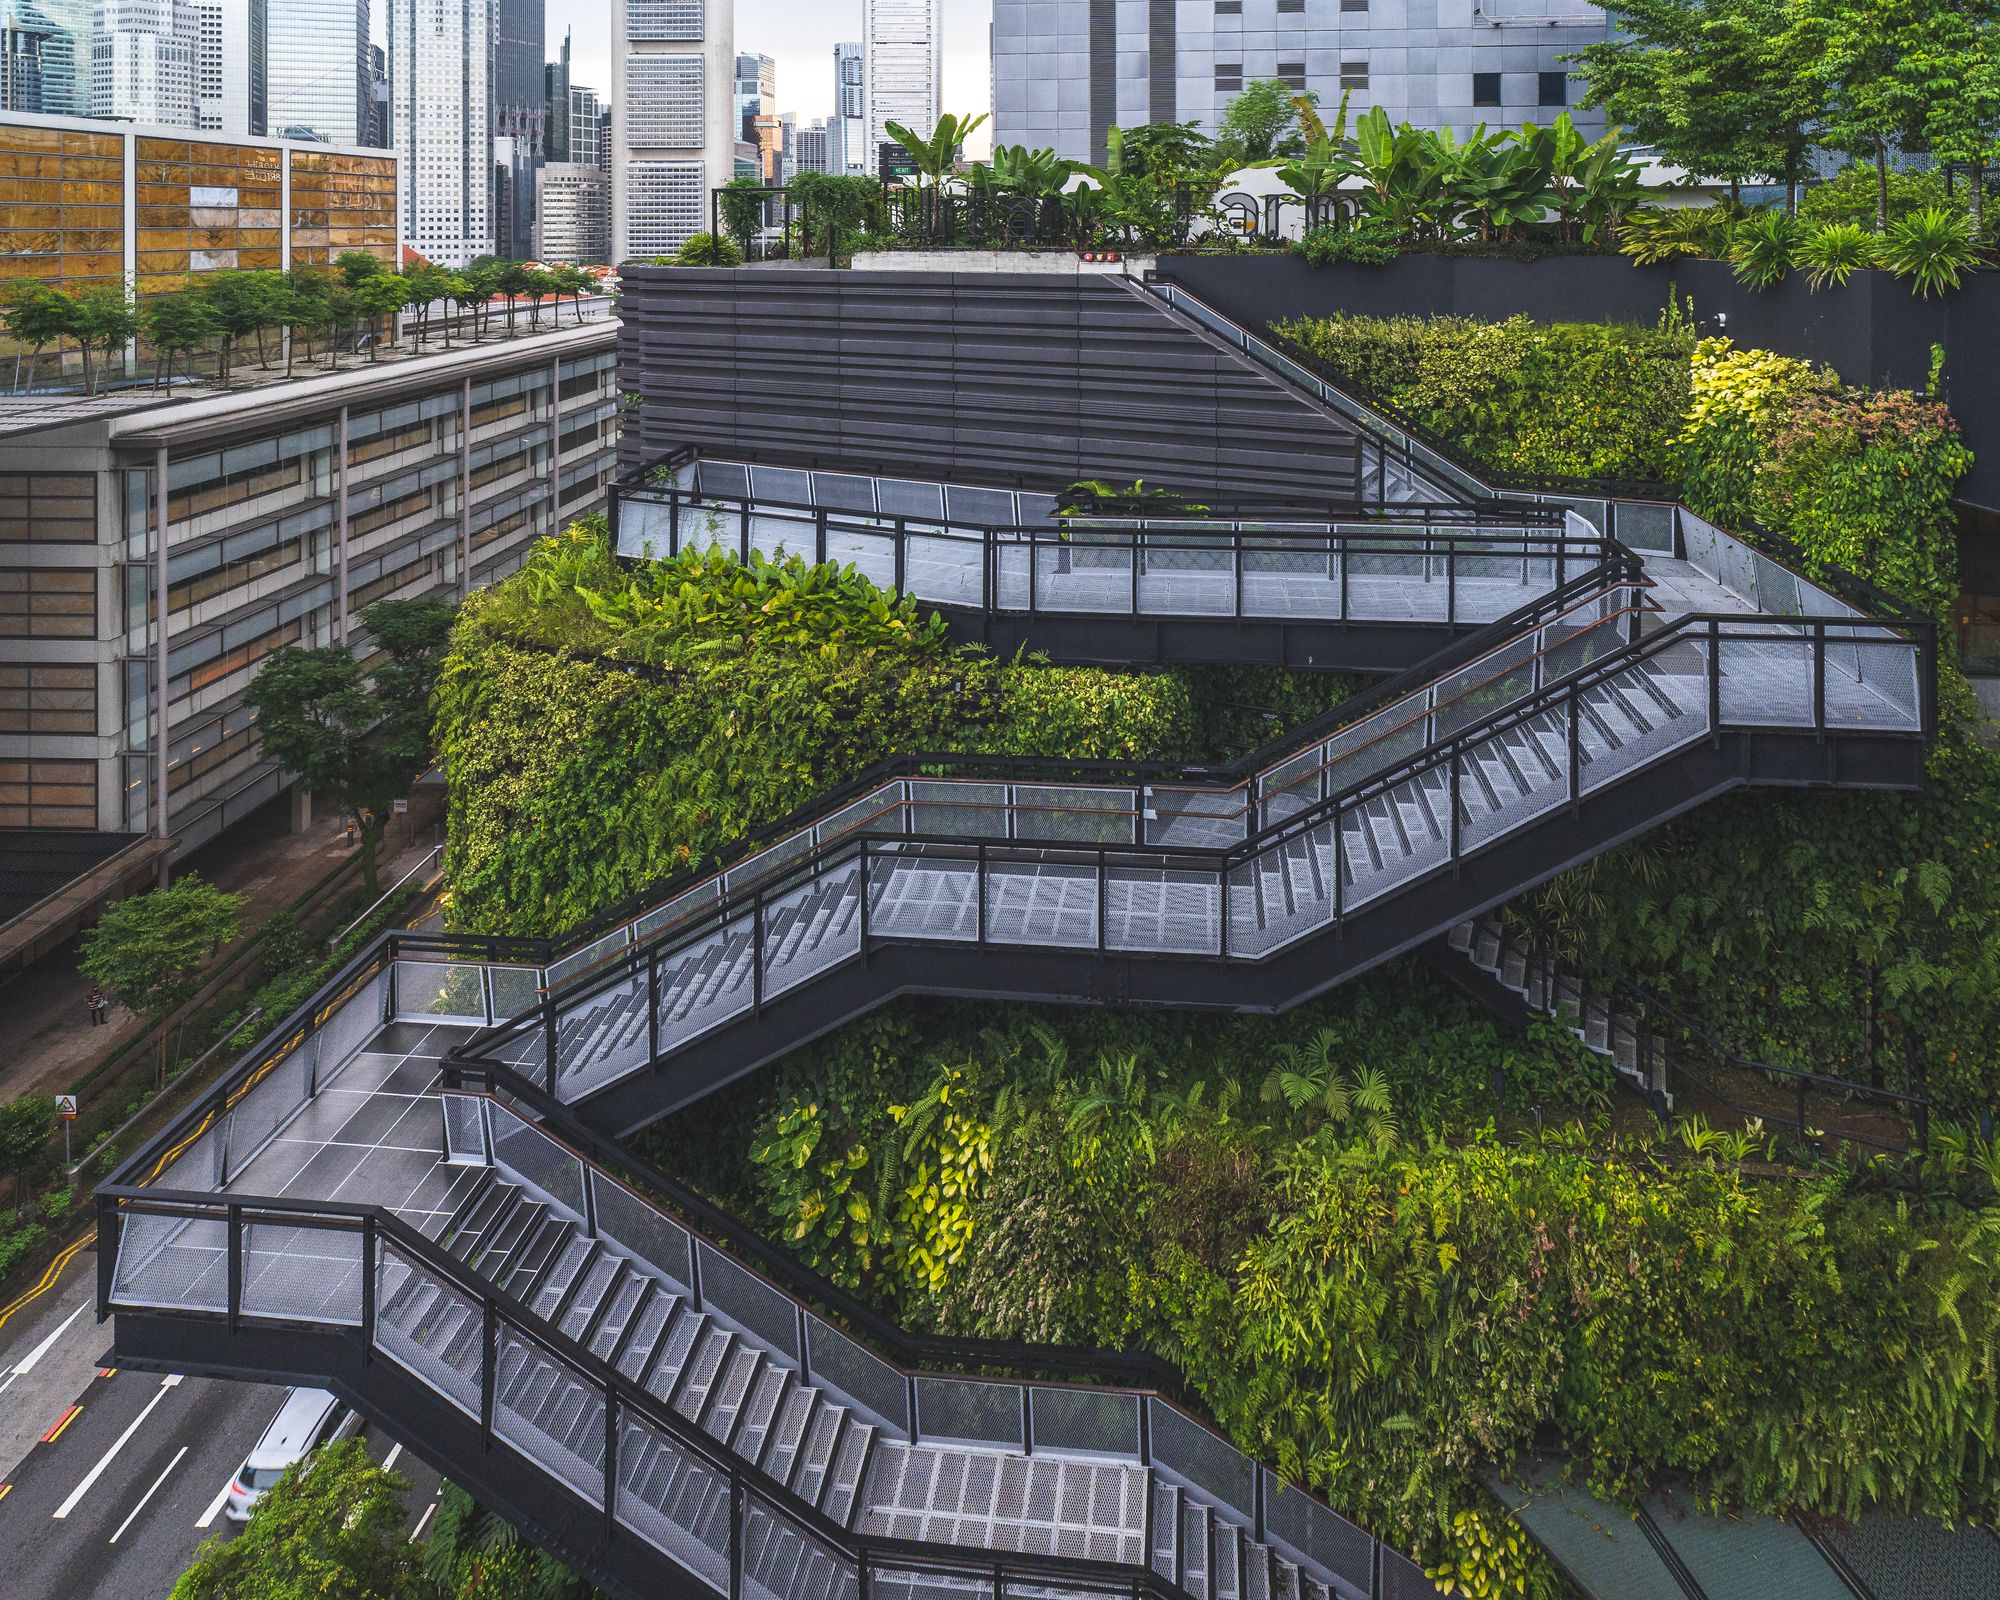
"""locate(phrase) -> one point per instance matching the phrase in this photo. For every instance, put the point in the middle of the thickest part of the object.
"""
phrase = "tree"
(330, 1529)
(357, 266)
(241, 303)
(150, 951)
(423, 286)
(381, 295)
(471, 1552)
(176, 324)
(104, 317)
(354, 741)
(1723, 88)
(1866, 50)
(742, 205)
(26, 1126)
(1259, 123)
(38, 316)
(1957, 66)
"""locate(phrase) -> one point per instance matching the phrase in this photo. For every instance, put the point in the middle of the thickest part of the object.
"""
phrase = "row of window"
(1551, 88)
(45, 699)
(1234, 8)
(48, 603)
(48, 508)
(48, 794)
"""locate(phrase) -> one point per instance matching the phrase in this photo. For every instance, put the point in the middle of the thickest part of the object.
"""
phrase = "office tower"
(847, 131)
(812, 147)
(900, 44)
(316, 70)
(381, 114)
(142, 56)
(230, 65)
(1060, 79)
(756, 96)
(45, 56)
(572, 214)
(555, 103)
(520, 121)
(441, 72)
(673, 122)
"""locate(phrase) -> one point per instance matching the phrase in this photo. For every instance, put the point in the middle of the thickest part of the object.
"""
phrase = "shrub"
(1849, 196)
(1761, 246)
(707, 250)
(1363, 246)
(1932, 248)
(1833, 251)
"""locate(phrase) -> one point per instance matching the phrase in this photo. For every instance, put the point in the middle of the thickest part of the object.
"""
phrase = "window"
(1228, 76)
(1486, 88)
(1291, 7)
(48, 603)
(35, 699)
(1292, 74)
(1229, 8)
(1553, 88)
(1354, 75)
(48, 794)
(1353, 5)
(48, 507)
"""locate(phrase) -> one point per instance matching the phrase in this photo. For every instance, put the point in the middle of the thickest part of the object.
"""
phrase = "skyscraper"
(45, 57)
(672, 126)
(812, 147)
(900, 43)
(142, 56)
(756, 96)
(520, 122)
(230, 66)
(555, 105)
(847, 131)
(441, 85)
(316, 69)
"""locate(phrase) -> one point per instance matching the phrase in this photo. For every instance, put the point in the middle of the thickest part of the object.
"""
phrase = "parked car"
(306, 1419)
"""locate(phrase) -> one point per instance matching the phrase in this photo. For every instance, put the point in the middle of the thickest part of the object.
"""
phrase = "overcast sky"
(800, 36)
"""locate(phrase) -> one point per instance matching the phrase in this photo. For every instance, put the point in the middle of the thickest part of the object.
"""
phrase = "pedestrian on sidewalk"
(100, 1007)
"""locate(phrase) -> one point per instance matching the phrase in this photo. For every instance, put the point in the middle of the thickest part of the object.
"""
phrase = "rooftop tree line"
(298, 314)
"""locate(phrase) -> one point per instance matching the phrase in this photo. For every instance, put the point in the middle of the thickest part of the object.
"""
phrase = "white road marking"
(141, 1506)
(27, 1362)
(389, 1460)
(417, 1532)
(214, 1508)
(125, 1438)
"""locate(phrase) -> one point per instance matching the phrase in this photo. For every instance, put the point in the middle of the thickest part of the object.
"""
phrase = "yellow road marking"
(56, 1432)
(48, 1280)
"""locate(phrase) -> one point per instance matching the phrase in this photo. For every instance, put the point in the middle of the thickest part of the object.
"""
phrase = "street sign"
(398, 808)
(66, 1107)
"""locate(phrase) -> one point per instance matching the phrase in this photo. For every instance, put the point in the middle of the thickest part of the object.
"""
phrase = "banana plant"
(1316, 177)
(1491, 178)
(1590, 182)
(934, 156)
(1015, 169)
(1397, 163)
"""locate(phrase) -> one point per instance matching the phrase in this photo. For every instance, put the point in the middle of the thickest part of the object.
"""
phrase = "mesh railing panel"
(533, 1159)
(674, 1500)
(440, 991)
(1071, 578)
(1403, 1579)
(776, 534)
(171, 1262)
(782, 1561)
(429, 1327)
(542, 1406)
(1186, 1450)
(1163, 908)
(584, 957)
(199, 1164)
(1301, 1525)
(692, 903)
(1887, 671)
(1644, 526)
(512, 991)
(1767, 681)
(1097, 1421)
(657, 1244)
(351, 1026)
(871, 554)
(706, 982)
(886, 1582)
(945, 569)
(969, 1409)
(1041, 903)
(814, 927)
(1075, 813)
(601, 1036)
(853, 1370)
(464, 1129)
(1505, 763)
(768, 862)
(267, 1108)
(970, 810)
(302, 1274)
(878, 811)
(927, 892)
(1197, 818)
(766, 1313)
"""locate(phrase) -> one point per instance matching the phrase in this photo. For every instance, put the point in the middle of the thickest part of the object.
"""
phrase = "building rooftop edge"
(168, 130)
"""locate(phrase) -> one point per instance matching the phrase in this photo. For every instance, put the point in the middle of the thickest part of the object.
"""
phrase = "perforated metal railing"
(1234, 873)
(172, 1238)
(962, 548)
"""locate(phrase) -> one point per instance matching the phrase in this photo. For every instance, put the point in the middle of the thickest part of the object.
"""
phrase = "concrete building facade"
(441, 85)
(142, 61)
(572, 214)
(673, 124)
(902, 44)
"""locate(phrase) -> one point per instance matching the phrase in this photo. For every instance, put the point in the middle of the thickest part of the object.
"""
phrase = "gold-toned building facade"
(86, 204)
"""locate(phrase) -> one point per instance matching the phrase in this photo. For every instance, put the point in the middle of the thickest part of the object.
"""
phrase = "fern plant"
(1832, 252)
(1933, 248)
(1653, 234)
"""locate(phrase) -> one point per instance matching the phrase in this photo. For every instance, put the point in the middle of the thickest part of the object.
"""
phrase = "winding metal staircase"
(412, 1190)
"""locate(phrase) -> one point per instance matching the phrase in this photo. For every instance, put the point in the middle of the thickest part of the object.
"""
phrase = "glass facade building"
(142, 61)
(1066, 70)
(441, 82)
(317, 69)
(45, 57)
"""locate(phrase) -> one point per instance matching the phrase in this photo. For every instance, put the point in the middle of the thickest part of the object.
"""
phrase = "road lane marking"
(141, 1506)
(28, 1362)
(389, 1460)
(5, 1490)
(107, 1372)
(62, 1422)
(417, 1532)
(214, 1507)
(76, 1495)
(48, 1280)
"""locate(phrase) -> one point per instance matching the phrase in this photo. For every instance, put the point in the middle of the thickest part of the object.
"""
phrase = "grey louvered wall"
(990, 375)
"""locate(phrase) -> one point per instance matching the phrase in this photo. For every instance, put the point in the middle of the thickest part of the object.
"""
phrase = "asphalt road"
(110, 1480)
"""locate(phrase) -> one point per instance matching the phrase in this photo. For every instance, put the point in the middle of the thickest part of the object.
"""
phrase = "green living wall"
(1852, 934)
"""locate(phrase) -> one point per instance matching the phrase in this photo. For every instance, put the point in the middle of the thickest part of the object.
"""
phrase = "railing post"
(1715, 680)
(652, 1002)
(368, 1248)
(1450, 583)
(735, 1535)
(1340, 545)
(233, 1295)
(979, 889)
(489, 1360)
(1236, 543)
(743, 532)
(1339, 863)
(1819, 681)
(1452, 757)
(757, 954)
(1103, 895)
(902, 538)
(1575, 748)
(819, 536)
(1033, 563)
(549, 1042)
(864, 901)
(610, 1462)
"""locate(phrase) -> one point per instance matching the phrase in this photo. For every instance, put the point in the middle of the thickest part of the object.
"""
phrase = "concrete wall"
(1874, 331)
(995, 376)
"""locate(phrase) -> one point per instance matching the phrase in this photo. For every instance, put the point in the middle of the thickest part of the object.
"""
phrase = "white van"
(306, 1418)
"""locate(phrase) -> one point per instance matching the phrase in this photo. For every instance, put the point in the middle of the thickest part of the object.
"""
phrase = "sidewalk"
(46, 1040)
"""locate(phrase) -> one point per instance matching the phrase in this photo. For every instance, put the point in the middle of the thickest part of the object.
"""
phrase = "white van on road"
(306, 1419)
